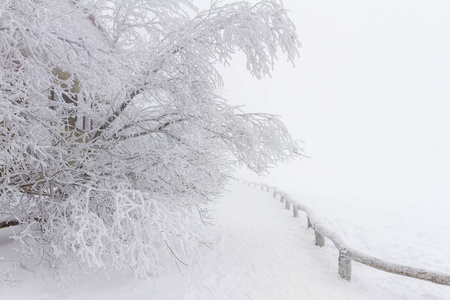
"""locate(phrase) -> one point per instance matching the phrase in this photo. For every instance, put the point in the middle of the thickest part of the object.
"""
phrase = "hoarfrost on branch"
(112, 137)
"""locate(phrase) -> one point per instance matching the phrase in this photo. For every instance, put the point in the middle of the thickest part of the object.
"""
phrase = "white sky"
(369, 96)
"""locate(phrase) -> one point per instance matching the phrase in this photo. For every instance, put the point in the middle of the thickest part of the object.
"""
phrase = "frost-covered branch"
(112, 138)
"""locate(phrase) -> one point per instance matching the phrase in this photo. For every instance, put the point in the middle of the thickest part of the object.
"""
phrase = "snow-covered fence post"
(345, 266)
(283, 195)
(309, 222)
(295, 210)
(287, 204)
(275, 192)
(320, 239)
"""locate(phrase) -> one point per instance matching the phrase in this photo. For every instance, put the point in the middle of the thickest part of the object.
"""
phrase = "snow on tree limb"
(112, 139)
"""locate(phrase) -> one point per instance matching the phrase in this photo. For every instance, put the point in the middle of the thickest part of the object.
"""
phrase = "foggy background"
(369, 97)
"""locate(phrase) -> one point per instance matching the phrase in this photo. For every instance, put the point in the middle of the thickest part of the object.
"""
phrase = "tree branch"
(9, 223)
(116, 114)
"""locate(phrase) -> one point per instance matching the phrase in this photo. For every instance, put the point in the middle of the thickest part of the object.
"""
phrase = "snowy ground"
(258, 251)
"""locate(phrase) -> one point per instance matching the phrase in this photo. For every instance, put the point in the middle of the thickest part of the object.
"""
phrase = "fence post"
(345, 266)
(320, 239)
(274, 193)
(309, 222)
(282, 198)
(287, 204)
(295, 210)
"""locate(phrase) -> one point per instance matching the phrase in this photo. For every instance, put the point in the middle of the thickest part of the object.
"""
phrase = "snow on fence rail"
(347, 254)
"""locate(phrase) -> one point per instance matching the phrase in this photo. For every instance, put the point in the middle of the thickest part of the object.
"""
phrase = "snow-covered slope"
(256, 250)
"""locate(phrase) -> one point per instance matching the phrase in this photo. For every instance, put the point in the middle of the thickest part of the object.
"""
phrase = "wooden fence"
(347, 254)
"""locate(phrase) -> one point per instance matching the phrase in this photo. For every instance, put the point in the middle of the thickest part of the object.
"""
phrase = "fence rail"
(347, 254)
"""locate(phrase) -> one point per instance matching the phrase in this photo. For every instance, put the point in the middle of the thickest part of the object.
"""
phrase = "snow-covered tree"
(112, 136)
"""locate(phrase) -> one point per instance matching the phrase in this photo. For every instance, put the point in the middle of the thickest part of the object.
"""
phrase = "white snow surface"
(256, 250)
